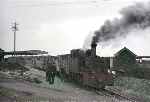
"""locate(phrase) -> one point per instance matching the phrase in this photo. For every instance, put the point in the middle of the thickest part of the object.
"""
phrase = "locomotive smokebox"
(93, 49)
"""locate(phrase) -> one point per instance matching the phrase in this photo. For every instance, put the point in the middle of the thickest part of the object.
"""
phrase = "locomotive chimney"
(93, 49)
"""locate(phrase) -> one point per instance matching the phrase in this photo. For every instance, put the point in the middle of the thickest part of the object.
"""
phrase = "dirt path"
(76, 95)
(60, 92)
(29, 87)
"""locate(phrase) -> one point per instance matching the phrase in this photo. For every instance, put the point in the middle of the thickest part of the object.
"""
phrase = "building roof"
(1, 50)
(124, 49)
(28, 52)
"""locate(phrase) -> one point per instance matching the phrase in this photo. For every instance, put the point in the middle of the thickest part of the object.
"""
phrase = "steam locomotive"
(88, 69)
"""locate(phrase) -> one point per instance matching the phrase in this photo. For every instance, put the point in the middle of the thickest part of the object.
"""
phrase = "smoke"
(133, 17)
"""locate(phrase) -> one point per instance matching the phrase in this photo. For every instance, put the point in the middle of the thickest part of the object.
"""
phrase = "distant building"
(34, 61)
(144, 64)
(124, 60)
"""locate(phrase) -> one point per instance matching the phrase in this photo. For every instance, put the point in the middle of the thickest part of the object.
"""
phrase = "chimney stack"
(93, 49)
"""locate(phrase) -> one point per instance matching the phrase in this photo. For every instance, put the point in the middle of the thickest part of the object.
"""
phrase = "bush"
(5, 92)
(36, 80)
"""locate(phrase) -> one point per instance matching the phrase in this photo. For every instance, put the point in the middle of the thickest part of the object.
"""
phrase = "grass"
(135, 86)
(6, 92)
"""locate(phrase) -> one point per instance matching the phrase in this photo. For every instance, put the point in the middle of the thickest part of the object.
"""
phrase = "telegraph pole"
(14, 29)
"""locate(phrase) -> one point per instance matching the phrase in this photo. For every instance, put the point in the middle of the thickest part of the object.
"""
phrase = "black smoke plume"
(133, 17)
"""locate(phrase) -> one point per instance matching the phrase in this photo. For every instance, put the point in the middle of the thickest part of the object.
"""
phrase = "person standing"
(50, 73)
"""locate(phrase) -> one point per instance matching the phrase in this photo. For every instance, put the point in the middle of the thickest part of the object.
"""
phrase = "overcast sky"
(57, 26)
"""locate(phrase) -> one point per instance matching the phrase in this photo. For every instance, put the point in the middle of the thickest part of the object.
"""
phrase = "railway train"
(88, 69)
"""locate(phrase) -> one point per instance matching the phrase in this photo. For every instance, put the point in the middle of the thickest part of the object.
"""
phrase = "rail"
(114, 92)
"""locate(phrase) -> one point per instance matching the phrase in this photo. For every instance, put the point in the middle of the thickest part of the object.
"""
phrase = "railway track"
(118, 95)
